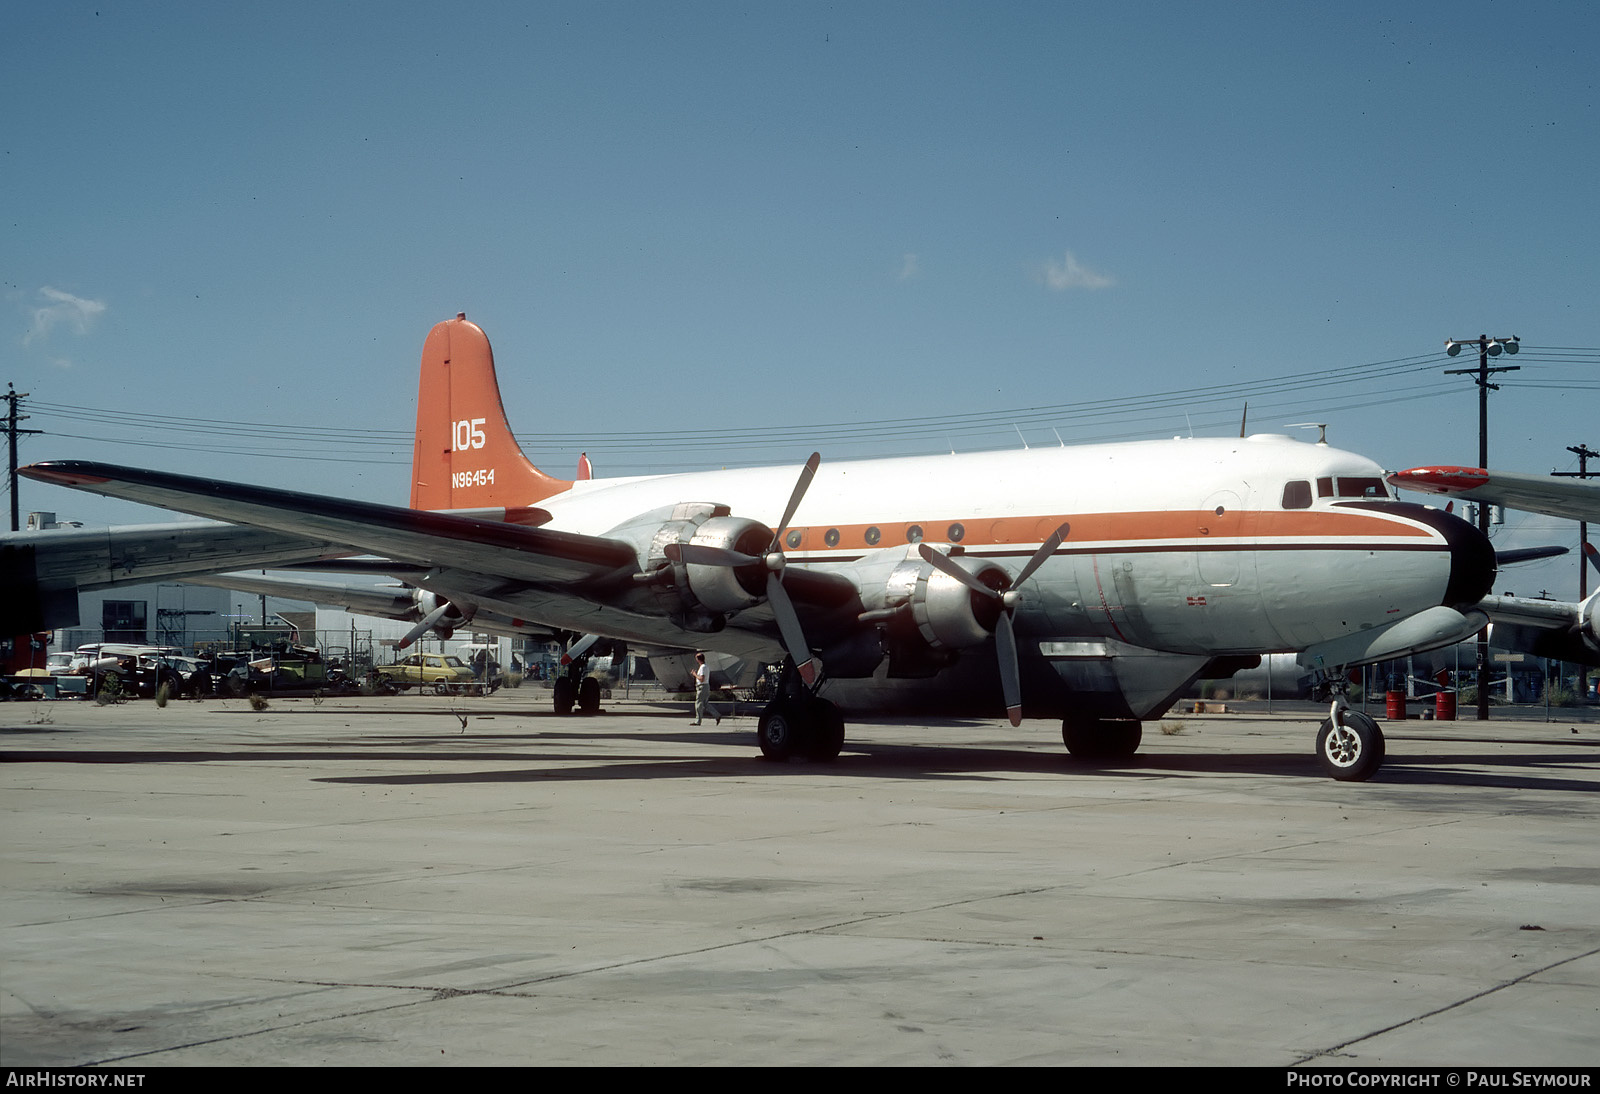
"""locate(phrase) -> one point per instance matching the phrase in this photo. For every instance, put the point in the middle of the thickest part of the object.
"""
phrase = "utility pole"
(1584, 454)
(1487, 348)
(13, 397)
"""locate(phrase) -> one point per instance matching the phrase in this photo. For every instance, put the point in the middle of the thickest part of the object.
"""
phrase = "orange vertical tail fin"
(465, 456)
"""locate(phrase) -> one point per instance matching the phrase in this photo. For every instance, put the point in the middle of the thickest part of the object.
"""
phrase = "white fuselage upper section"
(1190, 545)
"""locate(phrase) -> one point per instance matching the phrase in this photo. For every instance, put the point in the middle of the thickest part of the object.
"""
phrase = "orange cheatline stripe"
(1114, 527)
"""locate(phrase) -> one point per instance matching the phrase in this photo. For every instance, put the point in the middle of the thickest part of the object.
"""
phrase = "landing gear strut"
(797, 723)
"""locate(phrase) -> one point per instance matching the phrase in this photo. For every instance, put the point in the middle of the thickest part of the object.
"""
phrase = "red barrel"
(1395, 706)
(1444, 706)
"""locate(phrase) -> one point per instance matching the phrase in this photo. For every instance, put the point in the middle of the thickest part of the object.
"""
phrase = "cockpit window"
(1362, 488)
(1325, 487)
(1297, 495)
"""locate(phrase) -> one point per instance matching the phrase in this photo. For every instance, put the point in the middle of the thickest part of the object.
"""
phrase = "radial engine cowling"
(728, 588)
(947, 615)
(428, 602)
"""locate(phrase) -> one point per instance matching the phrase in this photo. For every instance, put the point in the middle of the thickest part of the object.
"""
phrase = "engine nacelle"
(697, 596)
(428, 602)
(727, 588)
(946, 614)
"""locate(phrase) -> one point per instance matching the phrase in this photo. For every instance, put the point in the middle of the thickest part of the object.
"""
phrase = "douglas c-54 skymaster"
(1088, 583)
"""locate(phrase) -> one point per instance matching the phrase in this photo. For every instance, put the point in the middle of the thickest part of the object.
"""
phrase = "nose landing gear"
(1349, 744)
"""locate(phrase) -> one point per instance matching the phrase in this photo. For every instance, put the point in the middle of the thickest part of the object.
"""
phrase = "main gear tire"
(565, 693)
(782, 731)
(1102, 738)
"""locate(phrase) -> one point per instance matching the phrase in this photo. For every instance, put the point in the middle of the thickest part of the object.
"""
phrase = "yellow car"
(443, 673)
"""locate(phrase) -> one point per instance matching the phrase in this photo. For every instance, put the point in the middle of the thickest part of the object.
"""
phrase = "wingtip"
(60, 472)
(1439, 480)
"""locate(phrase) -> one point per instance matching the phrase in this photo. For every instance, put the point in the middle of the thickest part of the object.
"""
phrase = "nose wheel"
(1350, 746)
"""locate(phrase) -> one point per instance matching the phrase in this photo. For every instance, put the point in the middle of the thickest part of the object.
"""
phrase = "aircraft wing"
(1573, 499)
(511, 551)
(520, 572)
(380, 601)
(1562, 630)
(42, 572)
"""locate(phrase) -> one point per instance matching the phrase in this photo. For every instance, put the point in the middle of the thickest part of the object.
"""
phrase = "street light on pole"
(1487, 348)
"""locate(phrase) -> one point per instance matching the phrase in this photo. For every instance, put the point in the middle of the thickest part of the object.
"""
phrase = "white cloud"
(910, 266)
(1070, 274)
(64, 310)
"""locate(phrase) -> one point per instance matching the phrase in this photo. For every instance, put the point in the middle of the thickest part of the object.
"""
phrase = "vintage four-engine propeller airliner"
(1086, 583)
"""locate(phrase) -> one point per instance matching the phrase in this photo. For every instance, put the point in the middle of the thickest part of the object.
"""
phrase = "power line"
(1089, 420)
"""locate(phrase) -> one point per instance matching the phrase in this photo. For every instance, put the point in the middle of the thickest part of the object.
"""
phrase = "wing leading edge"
(513, 552)
(1515, 490)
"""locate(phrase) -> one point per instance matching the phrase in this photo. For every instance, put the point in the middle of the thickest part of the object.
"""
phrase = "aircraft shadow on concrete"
(569, 750)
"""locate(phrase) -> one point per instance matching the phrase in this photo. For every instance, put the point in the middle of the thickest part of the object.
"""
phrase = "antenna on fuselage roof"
(1320, 427)
(1020, 437)
(1245, 417)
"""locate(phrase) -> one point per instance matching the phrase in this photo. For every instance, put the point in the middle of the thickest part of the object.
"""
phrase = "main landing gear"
(1101, 738)
(797, 723)
(574, 687)
(583, 692)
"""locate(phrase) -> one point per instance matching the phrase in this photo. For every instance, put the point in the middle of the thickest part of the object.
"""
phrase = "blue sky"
(766, 219)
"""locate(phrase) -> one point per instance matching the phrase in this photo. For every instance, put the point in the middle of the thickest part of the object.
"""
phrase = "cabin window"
(1297, 495)
(956, 532)
(914, 534)
(793, 538)
(873, 535)
(831, 538)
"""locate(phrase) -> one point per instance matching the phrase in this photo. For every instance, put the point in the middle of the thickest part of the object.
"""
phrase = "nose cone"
(1472, 561)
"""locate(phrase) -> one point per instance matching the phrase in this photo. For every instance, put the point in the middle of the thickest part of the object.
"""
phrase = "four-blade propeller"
(794, 638)
(1005, 640)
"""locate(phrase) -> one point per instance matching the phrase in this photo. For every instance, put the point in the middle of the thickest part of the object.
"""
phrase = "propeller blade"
(1005, 648)
(1046, 549)
(1526, 554)
(701, 554)
(423, 626)
(947, 566)
(1593, 555)
(807, 473)
(794, 638)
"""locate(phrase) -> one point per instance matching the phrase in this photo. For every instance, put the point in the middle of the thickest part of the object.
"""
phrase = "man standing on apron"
(702, 690)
